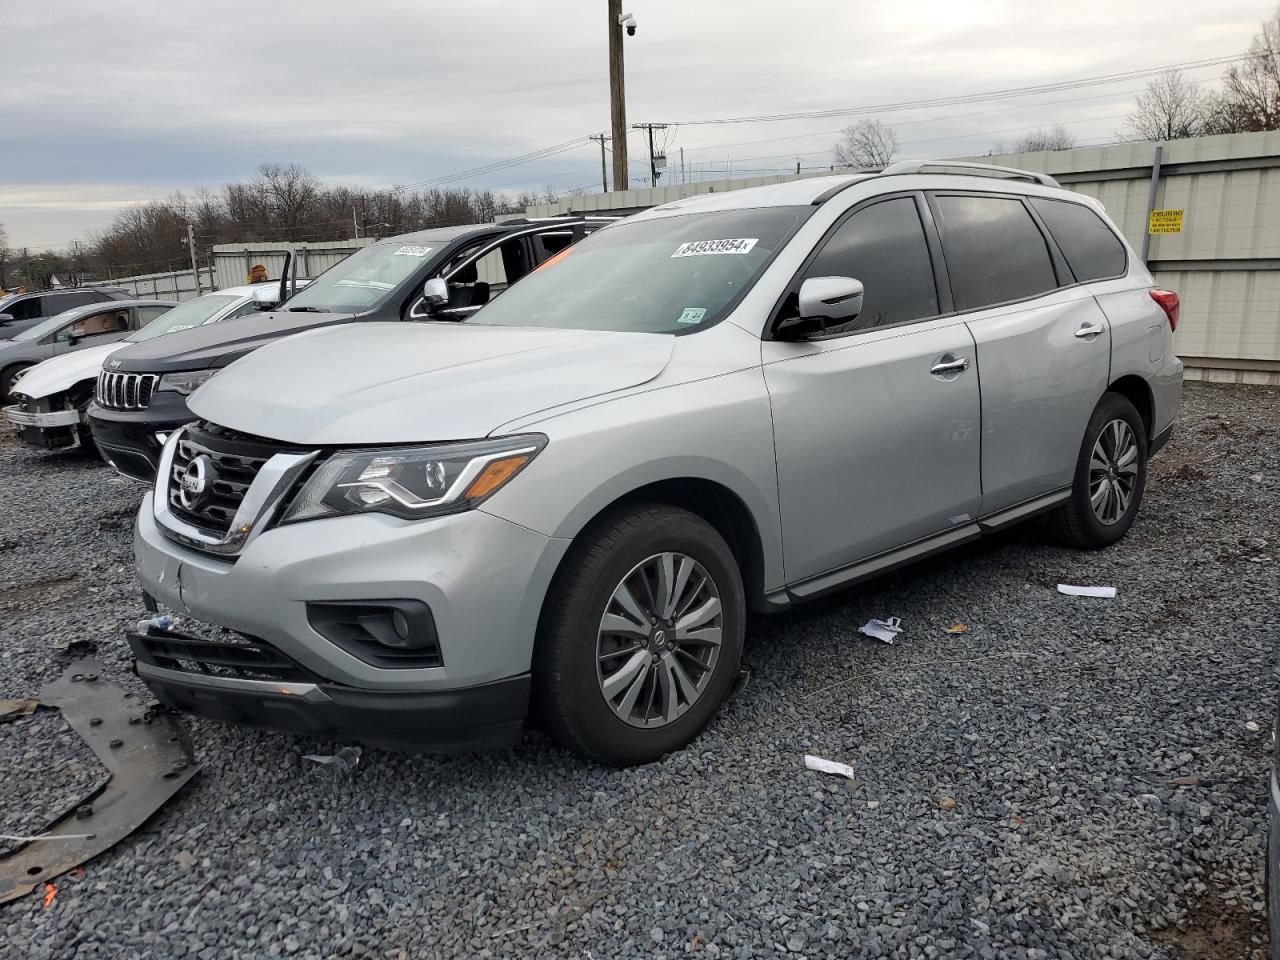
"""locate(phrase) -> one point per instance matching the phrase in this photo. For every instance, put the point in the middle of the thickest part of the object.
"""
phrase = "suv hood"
(390, 383)
(218, 344)
(62, 373)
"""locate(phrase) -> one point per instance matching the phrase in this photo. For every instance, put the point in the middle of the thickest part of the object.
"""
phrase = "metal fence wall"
(233, 261)
(1225, 265)
(179, 285)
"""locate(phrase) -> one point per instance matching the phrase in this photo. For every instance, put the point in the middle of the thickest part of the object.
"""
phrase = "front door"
(876, 425)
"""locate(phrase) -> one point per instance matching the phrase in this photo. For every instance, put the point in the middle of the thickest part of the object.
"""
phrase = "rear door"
(876, 423)
(1043, 344)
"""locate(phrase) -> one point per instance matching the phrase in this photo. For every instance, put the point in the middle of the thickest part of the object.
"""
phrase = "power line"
(1010, 92)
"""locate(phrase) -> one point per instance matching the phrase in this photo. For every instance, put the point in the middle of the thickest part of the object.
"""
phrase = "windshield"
(185, 316)
(7, 299)
(364, 280)
(45, 327)
(669, 275)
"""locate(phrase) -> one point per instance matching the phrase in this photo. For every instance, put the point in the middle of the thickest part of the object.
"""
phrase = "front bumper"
(483, 717)
(47, 429)
(127, 438)
(482, 577)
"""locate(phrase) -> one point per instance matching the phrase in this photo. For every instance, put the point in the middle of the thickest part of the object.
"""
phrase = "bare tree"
(1250, 98)
(1170, 108)
(1056, 137)
(868, 143)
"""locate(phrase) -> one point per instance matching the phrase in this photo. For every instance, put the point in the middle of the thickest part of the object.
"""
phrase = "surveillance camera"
(628, 21)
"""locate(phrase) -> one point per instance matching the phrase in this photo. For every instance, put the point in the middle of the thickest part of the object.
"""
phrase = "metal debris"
(12, 709)
(151, 763)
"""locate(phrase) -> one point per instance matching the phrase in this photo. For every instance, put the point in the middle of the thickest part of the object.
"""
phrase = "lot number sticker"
(413, 251)
(692, 315)
(702, 248)
(1165, 221)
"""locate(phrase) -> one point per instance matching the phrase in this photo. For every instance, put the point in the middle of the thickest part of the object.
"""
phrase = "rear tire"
(1110, 476)
(640, 637)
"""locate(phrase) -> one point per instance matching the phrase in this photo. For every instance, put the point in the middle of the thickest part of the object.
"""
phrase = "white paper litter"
(827, 766)
(885, 630)
(1071, 591)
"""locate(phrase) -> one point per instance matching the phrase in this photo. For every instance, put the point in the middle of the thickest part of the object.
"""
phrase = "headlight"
(186, 382)
(413, 482)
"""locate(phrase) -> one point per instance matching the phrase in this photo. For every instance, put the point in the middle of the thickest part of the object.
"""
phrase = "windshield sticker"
(692, 315)
(413, 251)
(699, 248)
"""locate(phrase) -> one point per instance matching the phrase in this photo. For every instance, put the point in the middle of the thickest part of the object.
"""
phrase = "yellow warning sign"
(1165, 221)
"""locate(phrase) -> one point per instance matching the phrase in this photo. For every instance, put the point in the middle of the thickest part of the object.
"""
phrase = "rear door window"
(1092, 250)
(884, 246)
(994, 250)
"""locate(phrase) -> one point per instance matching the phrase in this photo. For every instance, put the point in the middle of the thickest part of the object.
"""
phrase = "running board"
(1025, 510)
(882, 563)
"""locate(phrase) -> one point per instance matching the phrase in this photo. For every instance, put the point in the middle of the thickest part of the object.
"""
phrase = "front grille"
(125, 391)
(233, 461)
(240, 659)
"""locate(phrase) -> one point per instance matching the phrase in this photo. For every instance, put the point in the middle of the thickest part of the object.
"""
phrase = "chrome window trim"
(261, 501)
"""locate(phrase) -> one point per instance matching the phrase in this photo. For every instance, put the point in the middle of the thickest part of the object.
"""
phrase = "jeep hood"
(57, 374)
(218, 344)
(389, 383)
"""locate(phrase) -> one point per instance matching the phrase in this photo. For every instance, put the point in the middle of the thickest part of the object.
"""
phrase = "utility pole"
(653, 163)
(617, 97)
(604, 172)
(683, 177)
(195, 267)
(355, 222)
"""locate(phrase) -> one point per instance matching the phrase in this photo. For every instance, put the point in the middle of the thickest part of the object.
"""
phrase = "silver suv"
(418, 534)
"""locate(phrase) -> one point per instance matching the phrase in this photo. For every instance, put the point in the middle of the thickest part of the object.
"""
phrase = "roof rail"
(970, 169)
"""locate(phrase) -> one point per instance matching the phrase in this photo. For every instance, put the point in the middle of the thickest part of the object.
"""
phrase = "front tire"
(7, 377)
(641, 636)
(1110, 477)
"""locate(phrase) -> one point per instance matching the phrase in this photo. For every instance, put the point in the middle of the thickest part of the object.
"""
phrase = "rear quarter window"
(1092, 250)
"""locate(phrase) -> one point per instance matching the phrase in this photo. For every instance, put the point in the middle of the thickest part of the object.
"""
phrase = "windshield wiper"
(306, 310)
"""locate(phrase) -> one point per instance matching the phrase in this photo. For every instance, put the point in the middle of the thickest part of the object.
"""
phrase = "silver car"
(418, 534)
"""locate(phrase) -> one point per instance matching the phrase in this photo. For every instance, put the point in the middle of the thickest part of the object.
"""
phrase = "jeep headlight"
(413, 482)
(185, 382)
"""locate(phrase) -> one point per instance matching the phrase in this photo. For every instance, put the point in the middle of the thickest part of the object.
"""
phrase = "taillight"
(1170, 304)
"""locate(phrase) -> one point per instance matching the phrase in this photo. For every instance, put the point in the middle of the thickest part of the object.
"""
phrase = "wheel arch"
(746, 527)
(1138, 392)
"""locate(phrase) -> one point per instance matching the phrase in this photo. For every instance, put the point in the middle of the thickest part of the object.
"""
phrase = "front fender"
(719, 430)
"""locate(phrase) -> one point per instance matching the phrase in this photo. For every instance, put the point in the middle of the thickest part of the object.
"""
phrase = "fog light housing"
(392, 634)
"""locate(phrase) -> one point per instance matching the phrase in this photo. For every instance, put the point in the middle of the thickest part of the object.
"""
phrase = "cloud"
(138, 98)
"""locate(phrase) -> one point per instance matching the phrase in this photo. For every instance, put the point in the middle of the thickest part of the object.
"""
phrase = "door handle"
(1088, 330)
(949, 364)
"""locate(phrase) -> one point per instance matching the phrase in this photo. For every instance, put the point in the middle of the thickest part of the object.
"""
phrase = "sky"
(106, 105)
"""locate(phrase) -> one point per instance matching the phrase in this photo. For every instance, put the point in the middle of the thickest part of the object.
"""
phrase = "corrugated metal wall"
(233, 261)
(1225, 264)
(178, 285)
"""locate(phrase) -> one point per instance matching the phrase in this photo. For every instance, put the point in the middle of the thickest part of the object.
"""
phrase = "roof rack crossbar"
(971, 169)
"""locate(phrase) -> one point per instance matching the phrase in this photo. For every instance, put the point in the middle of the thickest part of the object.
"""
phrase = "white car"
(53, 396)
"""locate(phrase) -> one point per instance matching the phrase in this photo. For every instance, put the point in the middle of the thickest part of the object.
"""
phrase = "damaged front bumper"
(45, 428)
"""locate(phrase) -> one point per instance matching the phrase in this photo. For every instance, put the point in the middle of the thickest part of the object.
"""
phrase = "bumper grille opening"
(248, 660)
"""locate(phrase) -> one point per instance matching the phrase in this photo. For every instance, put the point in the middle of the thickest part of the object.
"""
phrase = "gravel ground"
(1069, 778)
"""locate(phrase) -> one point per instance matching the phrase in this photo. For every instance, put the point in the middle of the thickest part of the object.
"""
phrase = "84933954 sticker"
(692, 315)
(413, 251)
(702, 248)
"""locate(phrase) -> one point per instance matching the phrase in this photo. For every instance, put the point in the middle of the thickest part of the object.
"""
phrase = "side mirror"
(74, 338)
(435, 293)
(267, 297)
(6, 318)
(824, 302)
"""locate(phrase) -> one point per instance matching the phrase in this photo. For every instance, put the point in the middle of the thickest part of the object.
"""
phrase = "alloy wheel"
(1113, 472)
(659, 640)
